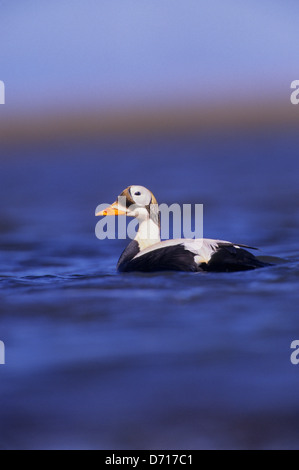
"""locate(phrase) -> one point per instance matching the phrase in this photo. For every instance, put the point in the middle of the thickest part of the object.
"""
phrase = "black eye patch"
(138, 193)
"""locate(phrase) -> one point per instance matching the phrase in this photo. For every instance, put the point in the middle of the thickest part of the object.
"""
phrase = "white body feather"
(203, 248)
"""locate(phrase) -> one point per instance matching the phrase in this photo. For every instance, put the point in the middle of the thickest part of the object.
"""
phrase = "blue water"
(101, 360)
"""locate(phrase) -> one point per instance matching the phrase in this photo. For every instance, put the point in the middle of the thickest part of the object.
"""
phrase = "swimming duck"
(147, 253)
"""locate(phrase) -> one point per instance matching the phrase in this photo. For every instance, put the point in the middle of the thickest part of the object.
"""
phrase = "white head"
(138, 201)
(134, 201)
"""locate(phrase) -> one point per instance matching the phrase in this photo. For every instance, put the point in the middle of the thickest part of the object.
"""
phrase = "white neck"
(148, 233)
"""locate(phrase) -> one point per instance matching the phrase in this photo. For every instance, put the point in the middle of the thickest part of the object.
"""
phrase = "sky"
(110, 53)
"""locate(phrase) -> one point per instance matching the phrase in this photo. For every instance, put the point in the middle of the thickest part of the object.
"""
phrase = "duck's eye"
(138, 193)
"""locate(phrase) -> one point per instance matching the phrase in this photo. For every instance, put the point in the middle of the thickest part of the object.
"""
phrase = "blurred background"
(192, 100)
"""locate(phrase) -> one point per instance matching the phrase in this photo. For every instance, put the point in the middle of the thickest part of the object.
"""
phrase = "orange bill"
(111, 210)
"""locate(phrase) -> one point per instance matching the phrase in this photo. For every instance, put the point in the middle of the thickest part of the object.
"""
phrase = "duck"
(148, 253)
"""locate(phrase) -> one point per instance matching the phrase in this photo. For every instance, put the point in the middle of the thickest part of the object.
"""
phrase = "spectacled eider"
(147, 253)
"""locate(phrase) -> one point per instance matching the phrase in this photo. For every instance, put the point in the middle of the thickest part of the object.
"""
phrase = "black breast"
(170, 258)
(129, 252)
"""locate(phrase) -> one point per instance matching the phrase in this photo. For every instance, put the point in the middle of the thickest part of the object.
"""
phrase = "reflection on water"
(95, 359)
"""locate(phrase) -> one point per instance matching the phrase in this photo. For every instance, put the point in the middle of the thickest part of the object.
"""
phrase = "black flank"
(229, 258)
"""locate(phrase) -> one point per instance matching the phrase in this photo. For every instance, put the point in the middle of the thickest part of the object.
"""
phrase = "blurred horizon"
(131, 122)
(70, 56)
